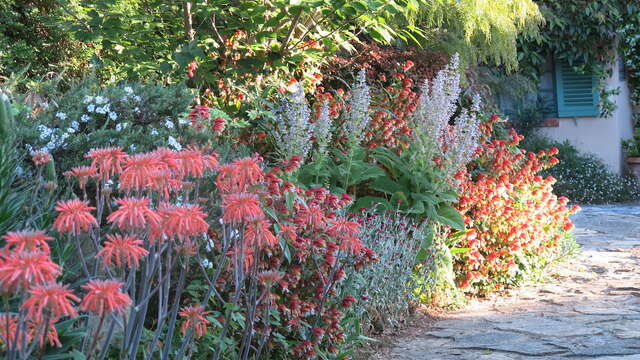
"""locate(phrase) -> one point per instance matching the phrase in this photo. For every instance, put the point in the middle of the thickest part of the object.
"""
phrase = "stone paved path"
(591, 310)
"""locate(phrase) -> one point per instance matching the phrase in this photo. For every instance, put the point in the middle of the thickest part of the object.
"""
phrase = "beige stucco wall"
(600, 136)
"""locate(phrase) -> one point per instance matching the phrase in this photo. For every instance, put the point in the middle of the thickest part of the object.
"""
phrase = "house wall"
(600, 136)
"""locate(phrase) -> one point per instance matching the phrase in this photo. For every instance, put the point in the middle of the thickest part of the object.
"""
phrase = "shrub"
(516, 222)
(584, 178)
(387, 287)
(138, 117)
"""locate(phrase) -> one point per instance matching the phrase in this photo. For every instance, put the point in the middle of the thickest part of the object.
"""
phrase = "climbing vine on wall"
(630, 48)
(582, 33)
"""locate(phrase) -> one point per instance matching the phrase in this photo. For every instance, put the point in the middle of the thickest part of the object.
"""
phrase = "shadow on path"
(590, 311)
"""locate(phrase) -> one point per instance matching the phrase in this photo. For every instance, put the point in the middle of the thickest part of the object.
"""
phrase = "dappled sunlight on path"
(589, 309)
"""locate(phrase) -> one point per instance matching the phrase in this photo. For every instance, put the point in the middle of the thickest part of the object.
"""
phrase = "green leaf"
(448, 215)
(368, 202)
(386, 185)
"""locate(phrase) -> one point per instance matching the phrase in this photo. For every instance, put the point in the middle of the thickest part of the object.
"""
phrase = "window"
(576, 94)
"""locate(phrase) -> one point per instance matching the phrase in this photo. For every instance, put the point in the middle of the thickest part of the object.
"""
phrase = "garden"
(277, 179)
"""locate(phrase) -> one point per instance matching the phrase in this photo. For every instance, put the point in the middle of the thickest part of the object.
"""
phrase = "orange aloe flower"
(104, 296)
(51, 334)
(258, 234)
(136, 170)
(9, 331)
(27, 240)
(242, 207)
(108, 161)
(54, 298)
(82, 173)
(248, 171)
(24, 268)
(167, 157)
(191, 161)
(194, 318)
(226, 180)
(122, 250)
(184, 221)
(163, 182)
(74, 216)
(133, 213)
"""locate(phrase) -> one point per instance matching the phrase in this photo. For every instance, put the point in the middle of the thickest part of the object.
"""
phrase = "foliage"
(632, 146)
(33, 39)
(233, 44)
(584, 178)
(484, 31)
(630, 49)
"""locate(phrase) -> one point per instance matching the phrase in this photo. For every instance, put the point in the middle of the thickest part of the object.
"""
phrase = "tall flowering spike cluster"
(358, 115)
(322, 129)
(512, 213)
(293, 129)
(437, 105)
(462, 140)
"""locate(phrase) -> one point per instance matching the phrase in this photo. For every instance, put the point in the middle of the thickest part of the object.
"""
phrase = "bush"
(516, 222)
(387, 287)
(135, 116)
(583, 178)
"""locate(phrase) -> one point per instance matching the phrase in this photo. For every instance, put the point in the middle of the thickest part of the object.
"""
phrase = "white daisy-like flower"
(91, 108)
(137, 98)
(183, 121)
(75, 125)
(101, 100)
(60, 115)
(128, 90)
(153, 132)
(207, 264)
(136, 109)
(132, 147)
(169, 124)
(113, 116)
(118, 127)
(71, 130)
(88, 99)
(85, 118)
(174, 143)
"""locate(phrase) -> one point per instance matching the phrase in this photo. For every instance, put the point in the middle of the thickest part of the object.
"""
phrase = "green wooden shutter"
(577, 94)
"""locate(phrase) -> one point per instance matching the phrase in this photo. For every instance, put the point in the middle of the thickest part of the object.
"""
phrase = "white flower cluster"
(293, 128)
(358, 116)
(174, 143)
(54, 137)
(436, 107)
(98, 105)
